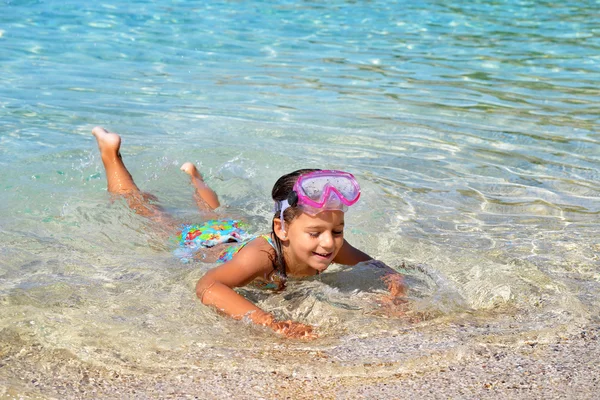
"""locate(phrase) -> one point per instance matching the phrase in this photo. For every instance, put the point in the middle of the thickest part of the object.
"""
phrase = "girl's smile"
(324, 256)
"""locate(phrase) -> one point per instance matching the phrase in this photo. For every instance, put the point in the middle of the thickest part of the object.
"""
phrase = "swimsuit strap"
(269, 240)
(277, 282)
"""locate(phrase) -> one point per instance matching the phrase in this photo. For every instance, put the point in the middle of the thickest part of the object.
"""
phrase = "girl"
(307, 235)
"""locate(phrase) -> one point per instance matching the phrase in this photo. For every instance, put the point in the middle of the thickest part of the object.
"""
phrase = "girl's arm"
(215, 289)
(349, 255)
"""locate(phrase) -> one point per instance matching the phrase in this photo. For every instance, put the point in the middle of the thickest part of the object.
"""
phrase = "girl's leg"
(119, 179)
(206, 198)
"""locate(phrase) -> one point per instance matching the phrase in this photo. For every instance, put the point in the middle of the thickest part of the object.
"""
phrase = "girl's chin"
(321, 266)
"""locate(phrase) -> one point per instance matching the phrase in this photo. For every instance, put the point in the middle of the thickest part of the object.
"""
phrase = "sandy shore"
(569, 368)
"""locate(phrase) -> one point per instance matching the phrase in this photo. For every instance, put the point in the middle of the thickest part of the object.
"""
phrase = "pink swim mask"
(322, 190)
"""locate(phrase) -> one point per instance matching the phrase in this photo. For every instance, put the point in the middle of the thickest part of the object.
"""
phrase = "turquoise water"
(471, 126)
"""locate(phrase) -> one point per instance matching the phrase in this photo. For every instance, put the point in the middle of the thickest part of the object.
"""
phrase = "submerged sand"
(562, 367)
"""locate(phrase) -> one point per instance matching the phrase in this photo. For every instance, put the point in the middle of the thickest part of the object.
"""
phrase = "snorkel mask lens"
(327, 190)
(319, 191)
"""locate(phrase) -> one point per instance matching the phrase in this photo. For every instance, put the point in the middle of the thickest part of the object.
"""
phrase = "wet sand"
(563, 367)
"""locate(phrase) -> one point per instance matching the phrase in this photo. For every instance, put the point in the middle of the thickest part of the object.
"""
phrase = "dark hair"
(282, 188)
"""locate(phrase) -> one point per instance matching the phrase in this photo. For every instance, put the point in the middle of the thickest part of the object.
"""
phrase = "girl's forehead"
(322, 219)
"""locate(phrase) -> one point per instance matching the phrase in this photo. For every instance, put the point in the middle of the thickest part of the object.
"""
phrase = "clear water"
(472, 127)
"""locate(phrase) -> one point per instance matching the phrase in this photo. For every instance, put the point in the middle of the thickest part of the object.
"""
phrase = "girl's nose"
(326, 241)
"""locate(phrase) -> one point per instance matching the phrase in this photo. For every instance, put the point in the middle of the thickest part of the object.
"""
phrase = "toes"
(191, 170)
(107, 141)
(187, 167)
(99, 131)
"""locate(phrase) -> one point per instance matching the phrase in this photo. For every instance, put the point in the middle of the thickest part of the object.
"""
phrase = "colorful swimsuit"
(211, 233)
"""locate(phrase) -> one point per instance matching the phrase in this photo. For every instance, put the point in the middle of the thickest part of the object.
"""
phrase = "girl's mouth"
(323, 255)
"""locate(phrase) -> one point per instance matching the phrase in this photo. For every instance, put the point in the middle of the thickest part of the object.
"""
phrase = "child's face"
(314, 241)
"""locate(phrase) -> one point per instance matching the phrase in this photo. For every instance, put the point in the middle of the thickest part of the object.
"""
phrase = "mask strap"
(281, 206)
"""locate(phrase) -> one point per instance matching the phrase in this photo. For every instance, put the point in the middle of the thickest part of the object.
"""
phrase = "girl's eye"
(338, 233)
(314, 234)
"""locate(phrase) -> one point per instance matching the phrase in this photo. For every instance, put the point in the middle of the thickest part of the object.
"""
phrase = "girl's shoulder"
(263, 248)
(261, 244)
(252, 260)
(258, 250)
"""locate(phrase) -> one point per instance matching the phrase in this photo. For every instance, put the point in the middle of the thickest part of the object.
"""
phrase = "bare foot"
(205, 197)
(119, 180)
(191, 170)
(108, 143)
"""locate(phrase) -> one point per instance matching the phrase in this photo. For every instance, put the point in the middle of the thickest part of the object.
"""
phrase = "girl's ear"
(281, 234)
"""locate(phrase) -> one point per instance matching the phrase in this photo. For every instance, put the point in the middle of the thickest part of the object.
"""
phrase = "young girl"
(307, 235)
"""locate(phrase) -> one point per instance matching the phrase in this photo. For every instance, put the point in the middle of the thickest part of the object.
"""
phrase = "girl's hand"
(294, 330)
(395, 284)
(290, 329)
(393, 280)
(394, 304)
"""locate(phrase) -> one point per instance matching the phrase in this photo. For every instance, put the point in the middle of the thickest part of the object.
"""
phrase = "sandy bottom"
(566, 367)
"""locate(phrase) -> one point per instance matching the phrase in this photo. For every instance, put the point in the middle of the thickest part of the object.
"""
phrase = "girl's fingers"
(395, 284)
(294, 330)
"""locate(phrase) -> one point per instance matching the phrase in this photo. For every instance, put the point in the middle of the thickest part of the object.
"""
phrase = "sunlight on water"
(472, 129)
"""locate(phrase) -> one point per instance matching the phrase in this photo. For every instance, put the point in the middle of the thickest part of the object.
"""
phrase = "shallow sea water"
(472, 128)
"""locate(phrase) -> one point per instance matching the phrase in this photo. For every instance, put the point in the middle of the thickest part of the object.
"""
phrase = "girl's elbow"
(202, 286)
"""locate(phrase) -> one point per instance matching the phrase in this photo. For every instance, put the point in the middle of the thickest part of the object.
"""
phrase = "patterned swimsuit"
(211, 233)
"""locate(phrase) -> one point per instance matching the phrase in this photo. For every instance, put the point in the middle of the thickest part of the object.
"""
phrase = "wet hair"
(282, 188)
